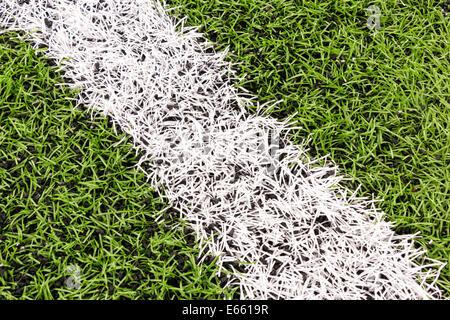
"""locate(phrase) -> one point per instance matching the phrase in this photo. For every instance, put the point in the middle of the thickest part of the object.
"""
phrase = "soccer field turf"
(376, 101)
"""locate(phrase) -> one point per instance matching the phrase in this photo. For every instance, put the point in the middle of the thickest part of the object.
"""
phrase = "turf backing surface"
(375, 100)
(76, 220)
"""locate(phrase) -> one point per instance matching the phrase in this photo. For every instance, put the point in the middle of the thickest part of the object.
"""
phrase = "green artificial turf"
(375, 100)
(76, 220)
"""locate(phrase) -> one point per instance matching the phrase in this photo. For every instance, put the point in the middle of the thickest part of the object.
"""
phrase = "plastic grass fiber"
(249, 193)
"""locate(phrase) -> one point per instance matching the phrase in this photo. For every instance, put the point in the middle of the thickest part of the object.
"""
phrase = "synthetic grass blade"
(249, 193)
